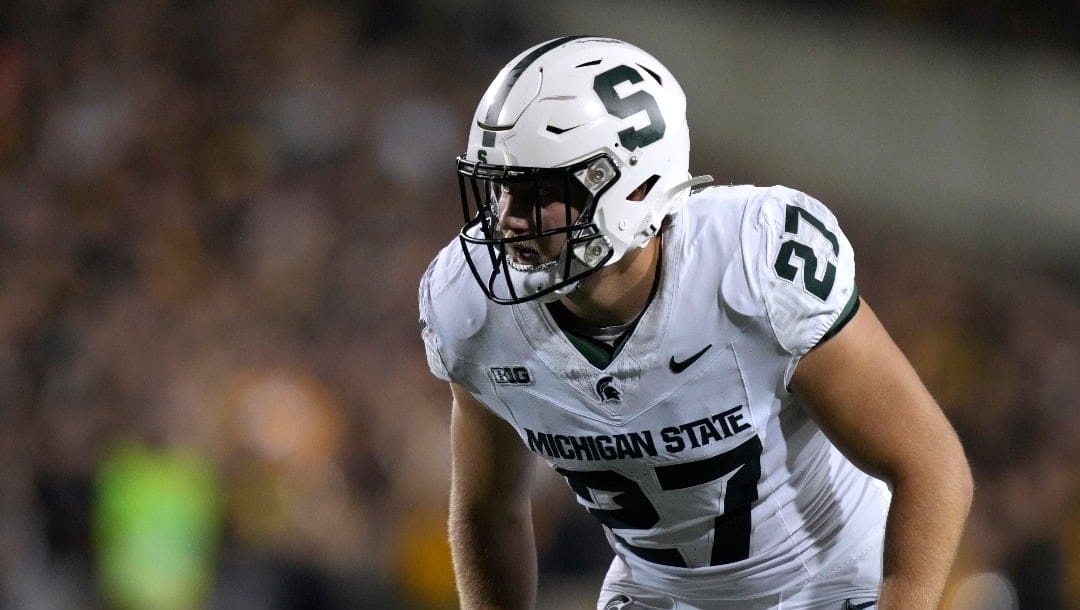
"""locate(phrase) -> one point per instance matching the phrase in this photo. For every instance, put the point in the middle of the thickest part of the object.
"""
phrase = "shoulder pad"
(452, 308)
(800, 264)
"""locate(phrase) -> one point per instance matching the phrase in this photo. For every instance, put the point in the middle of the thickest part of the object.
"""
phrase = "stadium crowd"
(212, 389)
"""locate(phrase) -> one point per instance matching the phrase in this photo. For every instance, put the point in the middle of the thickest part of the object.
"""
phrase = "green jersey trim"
(846, 314)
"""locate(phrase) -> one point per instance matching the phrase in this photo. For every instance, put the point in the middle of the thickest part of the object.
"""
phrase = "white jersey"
(706, 472)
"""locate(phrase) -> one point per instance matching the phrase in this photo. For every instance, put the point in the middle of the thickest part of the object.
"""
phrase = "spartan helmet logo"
(606, 390)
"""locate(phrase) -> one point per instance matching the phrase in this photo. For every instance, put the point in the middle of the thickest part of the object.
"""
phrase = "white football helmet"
(597, 116)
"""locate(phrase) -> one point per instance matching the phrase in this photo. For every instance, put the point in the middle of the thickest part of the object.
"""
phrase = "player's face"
(532, 207)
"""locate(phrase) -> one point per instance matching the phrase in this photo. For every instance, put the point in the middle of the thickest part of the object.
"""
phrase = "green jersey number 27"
(734, 473)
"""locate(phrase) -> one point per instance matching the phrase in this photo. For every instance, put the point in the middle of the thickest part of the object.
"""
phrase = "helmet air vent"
(656, 76)
(558, 130)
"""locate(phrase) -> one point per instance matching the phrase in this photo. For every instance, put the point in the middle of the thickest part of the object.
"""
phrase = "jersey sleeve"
(427, 329)
(802, 267)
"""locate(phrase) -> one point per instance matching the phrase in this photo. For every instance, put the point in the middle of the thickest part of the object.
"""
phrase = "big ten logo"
(511, 375)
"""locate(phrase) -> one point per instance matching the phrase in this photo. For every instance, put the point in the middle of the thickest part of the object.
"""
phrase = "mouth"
(524, 254)
(524, 257)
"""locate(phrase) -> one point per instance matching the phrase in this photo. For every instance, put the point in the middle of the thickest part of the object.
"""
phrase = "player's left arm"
(868, 399)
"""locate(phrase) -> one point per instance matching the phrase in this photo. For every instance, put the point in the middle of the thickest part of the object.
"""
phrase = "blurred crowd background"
(213, 219)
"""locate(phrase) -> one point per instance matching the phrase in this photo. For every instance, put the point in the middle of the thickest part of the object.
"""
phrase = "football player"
(697, 362)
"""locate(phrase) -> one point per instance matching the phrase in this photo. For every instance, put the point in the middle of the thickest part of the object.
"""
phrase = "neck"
(616, 294)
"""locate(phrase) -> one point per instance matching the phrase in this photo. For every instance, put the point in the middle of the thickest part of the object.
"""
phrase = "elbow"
(964, 481)
(943, 474)
(952, 475)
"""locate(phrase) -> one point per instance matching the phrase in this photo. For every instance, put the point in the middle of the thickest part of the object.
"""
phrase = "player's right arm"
(491, 533)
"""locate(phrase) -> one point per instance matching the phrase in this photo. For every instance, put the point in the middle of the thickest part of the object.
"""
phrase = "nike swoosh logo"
(850, 606)
(678, 367)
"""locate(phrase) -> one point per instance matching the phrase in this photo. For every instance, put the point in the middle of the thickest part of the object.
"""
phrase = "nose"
(515, 214)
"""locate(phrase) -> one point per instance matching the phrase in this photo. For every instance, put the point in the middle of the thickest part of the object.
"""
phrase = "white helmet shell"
(571, 98)
(614, 117)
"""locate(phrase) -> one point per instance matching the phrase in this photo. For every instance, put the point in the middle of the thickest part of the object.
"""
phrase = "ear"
(643, 189)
